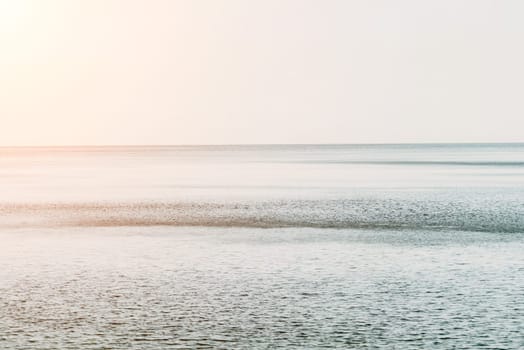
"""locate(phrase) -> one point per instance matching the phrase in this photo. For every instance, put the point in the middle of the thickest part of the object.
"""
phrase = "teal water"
(259, 247)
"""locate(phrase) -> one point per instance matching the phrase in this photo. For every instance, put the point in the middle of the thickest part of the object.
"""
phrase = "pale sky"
(260, 71)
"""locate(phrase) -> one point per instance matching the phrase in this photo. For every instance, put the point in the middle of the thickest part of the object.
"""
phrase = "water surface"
(257, 247)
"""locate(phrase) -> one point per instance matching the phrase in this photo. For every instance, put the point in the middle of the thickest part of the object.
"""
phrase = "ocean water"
(258, 247)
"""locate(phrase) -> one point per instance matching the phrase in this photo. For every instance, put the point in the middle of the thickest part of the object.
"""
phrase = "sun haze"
(272, 71)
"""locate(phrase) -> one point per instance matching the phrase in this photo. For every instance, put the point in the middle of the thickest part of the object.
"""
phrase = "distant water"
(476, 187)
(278, 246)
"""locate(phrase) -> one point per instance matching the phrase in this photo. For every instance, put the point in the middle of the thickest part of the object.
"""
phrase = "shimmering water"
(163, 288)
(256, 247)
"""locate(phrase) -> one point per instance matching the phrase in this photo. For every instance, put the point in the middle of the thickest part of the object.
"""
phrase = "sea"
(390, 246)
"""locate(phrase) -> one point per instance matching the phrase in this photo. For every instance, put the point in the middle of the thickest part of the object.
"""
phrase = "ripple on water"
(171, 288)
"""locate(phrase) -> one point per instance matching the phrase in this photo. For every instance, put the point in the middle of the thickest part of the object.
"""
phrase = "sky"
(107, 72)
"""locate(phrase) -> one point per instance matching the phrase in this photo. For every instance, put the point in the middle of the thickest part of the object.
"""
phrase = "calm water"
(256, 247)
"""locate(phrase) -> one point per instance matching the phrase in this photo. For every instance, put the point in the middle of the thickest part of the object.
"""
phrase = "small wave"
(488, 216)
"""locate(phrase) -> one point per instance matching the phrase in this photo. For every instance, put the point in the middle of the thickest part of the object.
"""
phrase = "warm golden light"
(12, 14)
(138, 72)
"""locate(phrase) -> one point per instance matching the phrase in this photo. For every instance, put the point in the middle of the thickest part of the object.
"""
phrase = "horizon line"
(260, 144)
